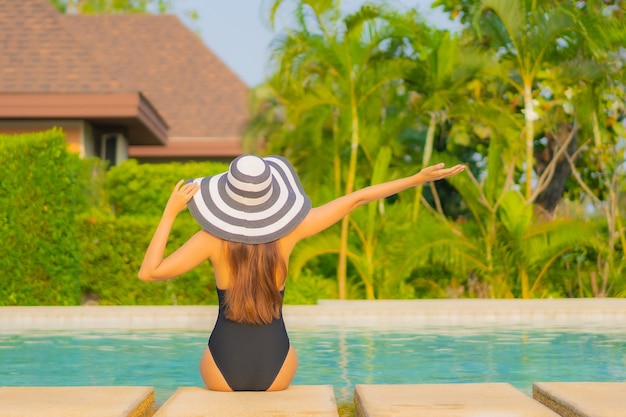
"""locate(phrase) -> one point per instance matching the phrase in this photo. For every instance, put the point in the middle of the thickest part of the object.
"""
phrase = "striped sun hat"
(258, 200)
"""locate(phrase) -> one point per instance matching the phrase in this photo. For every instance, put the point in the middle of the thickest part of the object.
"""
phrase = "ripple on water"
(339, 357)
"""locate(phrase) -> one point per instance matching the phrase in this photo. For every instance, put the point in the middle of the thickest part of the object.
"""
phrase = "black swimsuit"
(249, 356)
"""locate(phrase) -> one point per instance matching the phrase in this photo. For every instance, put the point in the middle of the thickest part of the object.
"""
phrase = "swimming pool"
(339, 357)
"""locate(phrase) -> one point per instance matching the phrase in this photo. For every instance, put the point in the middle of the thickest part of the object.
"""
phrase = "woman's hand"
(154, 267)
(438, 172)
(181, 194)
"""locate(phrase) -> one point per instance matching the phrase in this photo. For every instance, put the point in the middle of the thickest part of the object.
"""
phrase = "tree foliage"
(112, 6)
(529, 94)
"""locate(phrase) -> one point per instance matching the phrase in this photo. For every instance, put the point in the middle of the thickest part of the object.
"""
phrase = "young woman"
(252, 216)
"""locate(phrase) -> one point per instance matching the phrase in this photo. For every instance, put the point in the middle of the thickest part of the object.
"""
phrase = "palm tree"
(439, 81)
(596, 96)
(526, 38)
(367, 224)
(326, 71)
(504, 245)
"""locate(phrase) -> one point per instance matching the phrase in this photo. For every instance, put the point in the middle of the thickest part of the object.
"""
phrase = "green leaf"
(514, 214)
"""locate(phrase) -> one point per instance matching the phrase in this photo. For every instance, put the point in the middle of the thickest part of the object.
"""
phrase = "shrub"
(112, 251)
(114, 246)
(41, 192)
(143, 189)
(61, 240)
(308, 288)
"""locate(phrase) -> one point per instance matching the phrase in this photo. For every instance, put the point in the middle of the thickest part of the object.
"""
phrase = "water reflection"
(341, 357)
(518, 356)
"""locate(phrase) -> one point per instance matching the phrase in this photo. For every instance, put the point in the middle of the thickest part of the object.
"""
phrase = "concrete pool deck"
(446, 400)
(297, 400)
(550, 399)
(583, 399)
(379, 314)
(127, 401)
(76, 401)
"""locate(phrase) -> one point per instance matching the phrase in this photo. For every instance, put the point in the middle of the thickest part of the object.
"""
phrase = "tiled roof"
(38, 55)
(44, 51)
(197, 94)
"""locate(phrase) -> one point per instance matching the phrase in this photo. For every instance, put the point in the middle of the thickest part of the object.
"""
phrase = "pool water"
(339, 357)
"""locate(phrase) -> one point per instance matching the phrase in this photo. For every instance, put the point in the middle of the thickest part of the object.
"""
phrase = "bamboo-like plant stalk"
(428, 150)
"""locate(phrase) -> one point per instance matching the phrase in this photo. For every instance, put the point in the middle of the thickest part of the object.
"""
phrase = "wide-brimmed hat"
(258, 200)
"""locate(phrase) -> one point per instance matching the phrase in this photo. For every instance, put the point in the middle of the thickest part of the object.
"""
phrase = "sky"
(236, 31)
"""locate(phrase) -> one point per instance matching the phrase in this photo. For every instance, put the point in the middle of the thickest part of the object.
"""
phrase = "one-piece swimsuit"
(249, 356)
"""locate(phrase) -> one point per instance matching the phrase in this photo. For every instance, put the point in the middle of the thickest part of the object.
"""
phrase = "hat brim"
(228, 219)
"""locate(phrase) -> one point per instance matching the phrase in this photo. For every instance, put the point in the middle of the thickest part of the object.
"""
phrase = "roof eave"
(222, 147)
(130, 111)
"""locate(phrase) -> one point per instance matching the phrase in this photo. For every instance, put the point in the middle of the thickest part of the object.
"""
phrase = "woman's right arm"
(322, 217)
(197, 249)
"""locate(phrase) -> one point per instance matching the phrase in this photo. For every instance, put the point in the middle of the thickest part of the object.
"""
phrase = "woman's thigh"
(211, 374)
(287, 371)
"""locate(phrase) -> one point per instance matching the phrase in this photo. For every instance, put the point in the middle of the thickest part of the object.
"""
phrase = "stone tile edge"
(412, 313)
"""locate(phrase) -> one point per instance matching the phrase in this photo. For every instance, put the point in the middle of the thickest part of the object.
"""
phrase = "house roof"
(46, 73)
(200, 97)
(201, 102)
(40, 56)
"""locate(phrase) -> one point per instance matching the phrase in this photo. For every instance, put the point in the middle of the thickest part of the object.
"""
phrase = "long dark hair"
(253, 295)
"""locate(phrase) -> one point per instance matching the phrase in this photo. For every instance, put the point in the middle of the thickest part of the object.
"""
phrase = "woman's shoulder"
(207, 236)
(210, 244)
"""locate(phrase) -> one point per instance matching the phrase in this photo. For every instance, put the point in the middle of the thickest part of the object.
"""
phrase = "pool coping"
(588, 312)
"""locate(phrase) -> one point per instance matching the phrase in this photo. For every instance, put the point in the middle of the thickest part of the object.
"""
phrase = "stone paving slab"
(296, 401)
(446, 400)
(76, 401)
(583, 399)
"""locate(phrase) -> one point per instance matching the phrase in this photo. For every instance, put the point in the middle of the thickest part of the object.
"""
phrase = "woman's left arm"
(324, 216)
(188, 256)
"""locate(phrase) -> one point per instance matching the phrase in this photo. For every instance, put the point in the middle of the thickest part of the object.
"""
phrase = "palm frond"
(379, 175)
(354, 22)
(378, 73)
(510, 13)
(321, 244)
(469, 191)
(581, 69)
(408, 245)
(515, 215)
(272, 12)
(543, 240)
(550, 26)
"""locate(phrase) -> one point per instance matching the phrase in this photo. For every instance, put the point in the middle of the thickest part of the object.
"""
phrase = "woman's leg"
(211, 374)
(286, 373)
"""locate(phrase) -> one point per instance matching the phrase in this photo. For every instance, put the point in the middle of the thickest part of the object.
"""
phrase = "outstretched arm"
(188, 256)
(322, 217)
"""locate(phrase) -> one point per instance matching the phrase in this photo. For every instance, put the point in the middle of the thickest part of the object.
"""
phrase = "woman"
(252, 216)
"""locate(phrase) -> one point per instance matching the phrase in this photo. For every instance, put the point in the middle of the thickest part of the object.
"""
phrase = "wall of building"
(78, 132)
(81, 136)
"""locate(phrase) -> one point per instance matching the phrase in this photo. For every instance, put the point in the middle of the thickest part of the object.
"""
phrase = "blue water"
(342, 358)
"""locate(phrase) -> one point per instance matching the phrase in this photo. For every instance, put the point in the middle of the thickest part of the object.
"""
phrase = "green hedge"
(143, 189)
(113, 246)
(41, 192)
(112, 251)
(71, 231)
(111, 254)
